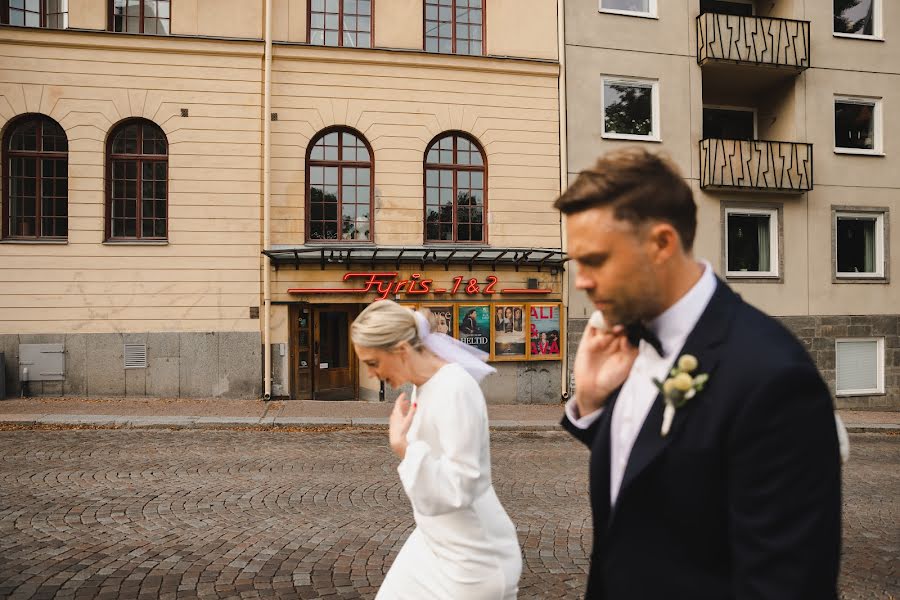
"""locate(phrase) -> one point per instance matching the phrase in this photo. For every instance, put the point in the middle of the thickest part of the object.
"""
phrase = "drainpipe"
(267, 183)
(563, 175)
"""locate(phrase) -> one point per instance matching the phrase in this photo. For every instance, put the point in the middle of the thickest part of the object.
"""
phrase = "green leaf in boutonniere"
(680, 387)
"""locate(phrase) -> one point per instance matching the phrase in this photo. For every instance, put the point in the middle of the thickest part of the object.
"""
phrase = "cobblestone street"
(228, 514)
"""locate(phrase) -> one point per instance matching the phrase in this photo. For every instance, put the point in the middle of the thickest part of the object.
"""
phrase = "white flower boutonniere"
(679, 387)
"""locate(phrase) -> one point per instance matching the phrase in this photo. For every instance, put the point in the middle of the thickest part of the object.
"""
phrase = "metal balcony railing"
(760, 41)
(756, 165)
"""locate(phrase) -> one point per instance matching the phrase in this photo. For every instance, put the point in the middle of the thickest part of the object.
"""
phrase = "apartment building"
(198, 196)
(778, 113)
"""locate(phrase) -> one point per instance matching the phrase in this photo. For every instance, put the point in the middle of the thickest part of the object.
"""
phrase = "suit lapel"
(702, 342)
(600, 452)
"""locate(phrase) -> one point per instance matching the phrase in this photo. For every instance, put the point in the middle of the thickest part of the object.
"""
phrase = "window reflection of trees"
(629, 109)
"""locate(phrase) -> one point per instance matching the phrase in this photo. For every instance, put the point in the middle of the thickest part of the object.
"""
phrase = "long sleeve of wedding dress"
(448, 476)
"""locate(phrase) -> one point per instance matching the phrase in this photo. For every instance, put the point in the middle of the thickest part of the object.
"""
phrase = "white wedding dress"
(464, 546)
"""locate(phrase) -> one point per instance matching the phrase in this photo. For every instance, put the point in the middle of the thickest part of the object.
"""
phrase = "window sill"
(753, 277)
(851, 393)
(856, 36)
(628, 13)
(855, 152)
(631, 138)
(858, 278)
(136, 243)
(34, 242)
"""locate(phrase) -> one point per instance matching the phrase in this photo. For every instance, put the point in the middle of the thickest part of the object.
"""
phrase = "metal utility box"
(45, 362)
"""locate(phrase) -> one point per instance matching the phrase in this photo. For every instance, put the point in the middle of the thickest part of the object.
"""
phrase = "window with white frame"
(637, 8)
(857, 18)
(859, 366)
(857, 125)
(859, 244)
(751, 242)
(630, 109)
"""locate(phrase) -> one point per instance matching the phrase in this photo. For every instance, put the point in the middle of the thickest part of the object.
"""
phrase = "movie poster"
(509, 330)
(443, 314)
(545, 335)
(475, 326)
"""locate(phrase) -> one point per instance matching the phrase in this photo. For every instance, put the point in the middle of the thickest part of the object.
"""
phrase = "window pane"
(749, 243)
(642, 6)
(629, 109)
(854, 16)
(725, 124)
(856, 243)
(726, 8)
(854, 125)
(856, 365)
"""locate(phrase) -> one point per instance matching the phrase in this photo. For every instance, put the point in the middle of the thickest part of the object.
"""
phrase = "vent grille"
(135, 356)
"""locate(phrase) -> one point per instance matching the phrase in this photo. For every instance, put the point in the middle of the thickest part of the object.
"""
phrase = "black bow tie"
(637, 331)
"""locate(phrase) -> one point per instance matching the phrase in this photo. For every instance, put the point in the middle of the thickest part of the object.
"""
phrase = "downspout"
(563, 177)
(267, 197)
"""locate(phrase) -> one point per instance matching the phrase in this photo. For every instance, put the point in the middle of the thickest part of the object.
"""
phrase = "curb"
(274, 423)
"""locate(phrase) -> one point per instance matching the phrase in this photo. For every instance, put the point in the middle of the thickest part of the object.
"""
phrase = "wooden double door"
(323, 365)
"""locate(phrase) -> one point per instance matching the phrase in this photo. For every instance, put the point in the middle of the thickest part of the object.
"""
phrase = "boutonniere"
(679, 387)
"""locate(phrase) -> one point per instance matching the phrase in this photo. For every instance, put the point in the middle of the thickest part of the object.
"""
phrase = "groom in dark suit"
(714, 470)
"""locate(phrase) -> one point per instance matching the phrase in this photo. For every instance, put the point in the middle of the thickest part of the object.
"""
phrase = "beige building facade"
(186, 183)
(779, 116)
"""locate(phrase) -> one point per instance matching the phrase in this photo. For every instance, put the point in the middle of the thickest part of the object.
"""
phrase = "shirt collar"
(676, 323)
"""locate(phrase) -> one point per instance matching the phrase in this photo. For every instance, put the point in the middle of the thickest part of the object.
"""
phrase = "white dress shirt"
(638, 392)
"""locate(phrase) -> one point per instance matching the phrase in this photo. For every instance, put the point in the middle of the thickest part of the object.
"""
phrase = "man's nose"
(582, 281)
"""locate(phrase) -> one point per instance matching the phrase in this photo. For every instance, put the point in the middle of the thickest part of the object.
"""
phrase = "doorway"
(323, 365)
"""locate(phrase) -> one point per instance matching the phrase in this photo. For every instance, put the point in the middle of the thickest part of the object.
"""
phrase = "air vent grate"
(135, 356)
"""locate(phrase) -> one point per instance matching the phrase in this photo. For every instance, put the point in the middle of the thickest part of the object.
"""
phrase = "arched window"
(35, 179)
(339, 187)
(137, 190)
(455, 190)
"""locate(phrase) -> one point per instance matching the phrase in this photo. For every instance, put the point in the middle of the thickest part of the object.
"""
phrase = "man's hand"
(602, 364)
(401, 419)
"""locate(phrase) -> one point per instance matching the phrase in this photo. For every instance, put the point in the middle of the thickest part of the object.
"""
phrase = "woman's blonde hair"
(384, 324)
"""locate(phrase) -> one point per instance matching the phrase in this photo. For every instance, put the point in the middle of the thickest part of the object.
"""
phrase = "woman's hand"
(602, 364)
(401, 418)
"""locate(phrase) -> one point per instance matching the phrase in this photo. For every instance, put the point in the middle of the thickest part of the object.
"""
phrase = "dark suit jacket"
(742, 499)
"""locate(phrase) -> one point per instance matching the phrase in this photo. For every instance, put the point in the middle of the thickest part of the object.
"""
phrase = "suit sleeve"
(582, 431)
(784, 489)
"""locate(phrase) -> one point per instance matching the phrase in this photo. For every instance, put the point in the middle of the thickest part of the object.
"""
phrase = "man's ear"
(664, 242)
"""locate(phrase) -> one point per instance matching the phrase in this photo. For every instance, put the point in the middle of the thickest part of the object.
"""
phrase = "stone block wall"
(818, 335)
(179, 365)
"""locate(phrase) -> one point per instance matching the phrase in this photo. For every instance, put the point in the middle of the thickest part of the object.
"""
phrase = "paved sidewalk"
(219, 413)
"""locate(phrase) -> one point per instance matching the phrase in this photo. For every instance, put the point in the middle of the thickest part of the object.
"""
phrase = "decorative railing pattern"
(756, 165)
(753, 40)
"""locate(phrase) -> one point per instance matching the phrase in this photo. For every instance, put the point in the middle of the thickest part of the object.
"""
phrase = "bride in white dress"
(464, 546)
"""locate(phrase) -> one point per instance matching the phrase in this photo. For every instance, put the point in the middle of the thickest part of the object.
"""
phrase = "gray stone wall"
(818, 334)
(186, 365)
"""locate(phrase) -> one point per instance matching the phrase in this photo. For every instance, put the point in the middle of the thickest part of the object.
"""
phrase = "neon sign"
(387, 284)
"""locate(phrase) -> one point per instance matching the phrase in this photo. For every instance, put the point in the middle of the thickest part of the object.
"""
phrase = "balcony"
(756, 165)
(753, 41)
